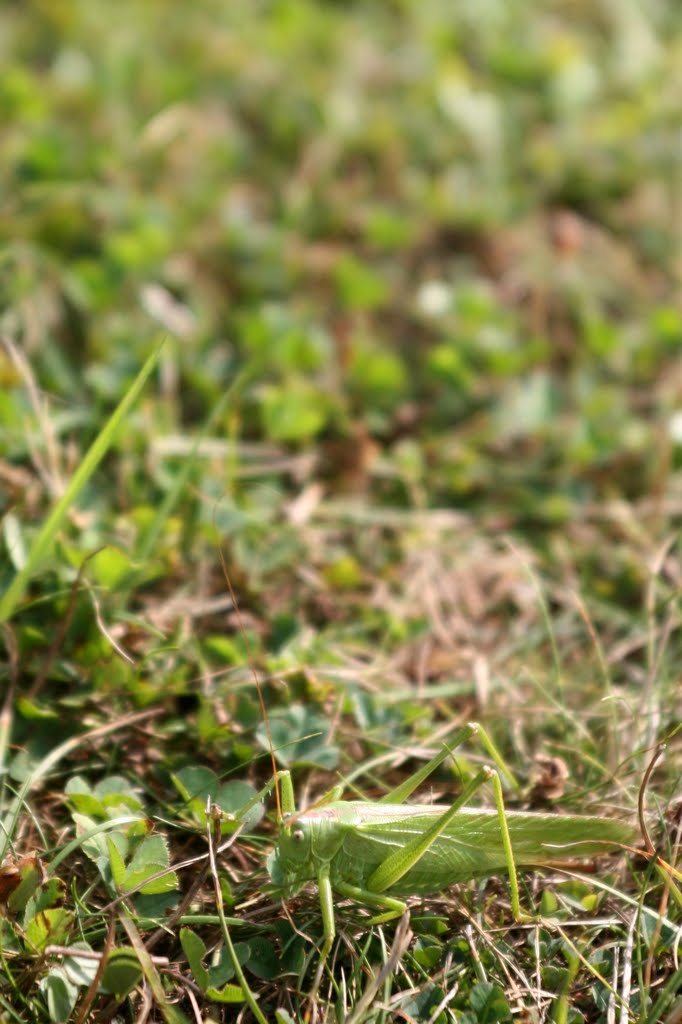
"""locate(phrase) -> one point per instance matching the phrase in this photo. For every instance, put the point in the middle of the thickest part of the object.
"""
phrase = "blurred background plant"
(418, 265)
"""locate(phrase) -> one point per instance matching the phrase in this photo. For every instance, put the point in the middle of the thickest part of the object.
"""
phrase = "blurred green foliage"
(469, 219)
(419, 267)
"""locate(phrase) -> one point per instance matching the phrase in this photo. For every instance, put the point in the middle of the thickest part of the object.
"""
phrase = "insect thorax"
(306, 843)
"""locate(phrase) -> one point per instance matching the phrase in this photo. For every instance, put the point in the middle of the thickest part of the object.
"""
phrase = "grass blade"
(42, 543)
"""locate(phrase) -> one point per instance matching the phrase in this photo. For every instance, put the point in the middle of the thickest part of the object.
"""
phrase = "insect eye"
(297, 836)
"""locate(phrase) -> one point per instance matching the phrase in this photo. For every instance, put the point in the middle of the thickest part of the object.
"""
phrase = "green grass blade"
(153, 531)
(42, 543)
(664, 1001)
(171, 1014)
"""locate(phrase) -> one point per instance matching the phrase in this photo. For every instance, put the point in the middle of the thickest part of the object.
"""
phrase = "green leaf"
(46, 895)
(30, 877)
(51, 927)
(197, 783)
(263, 961)
(96, 844)
(116, 862)
(378, 377)
(489, 1004)
(111, 797)
(299, 735)
(229, 993)
(149, 859)
(122, 972)
(110, 567)
(295, 412)
(359, 285)
(60, 993)
(81, 796)
(80, 970)
(118, 787)
(208, 980)
(153, 908)
(344, 574)
(292, 946)
(284, 1017)
(234, 796)
(195, 951)
(549, 904)
(427, 954)
(34, 711)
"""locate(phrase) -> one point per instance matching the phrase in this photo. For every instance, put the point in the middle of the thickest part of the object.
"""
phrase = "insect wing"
(471, 845)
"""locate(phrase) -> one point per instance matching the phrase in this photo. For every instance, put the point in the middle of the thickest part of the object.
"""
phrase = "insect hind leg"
(472, 729)
(398, 863)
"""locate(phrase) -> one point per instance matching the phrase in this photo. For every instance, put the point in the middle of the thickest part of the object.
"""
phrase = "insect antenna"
(658, 752)
(254, 673)
(650, 850)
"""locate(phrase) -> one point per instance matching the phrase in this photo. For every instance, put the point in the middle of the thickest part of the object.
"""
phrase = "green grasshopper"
(380, 853)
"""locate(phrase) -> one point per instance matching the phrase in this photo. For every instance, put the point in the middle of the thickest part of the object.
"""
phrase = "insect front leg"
(327, 908)
(390, 906)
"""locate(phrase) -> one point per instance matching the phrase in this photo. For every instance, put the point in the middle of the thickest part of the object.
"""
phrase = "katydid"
(378, 854)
